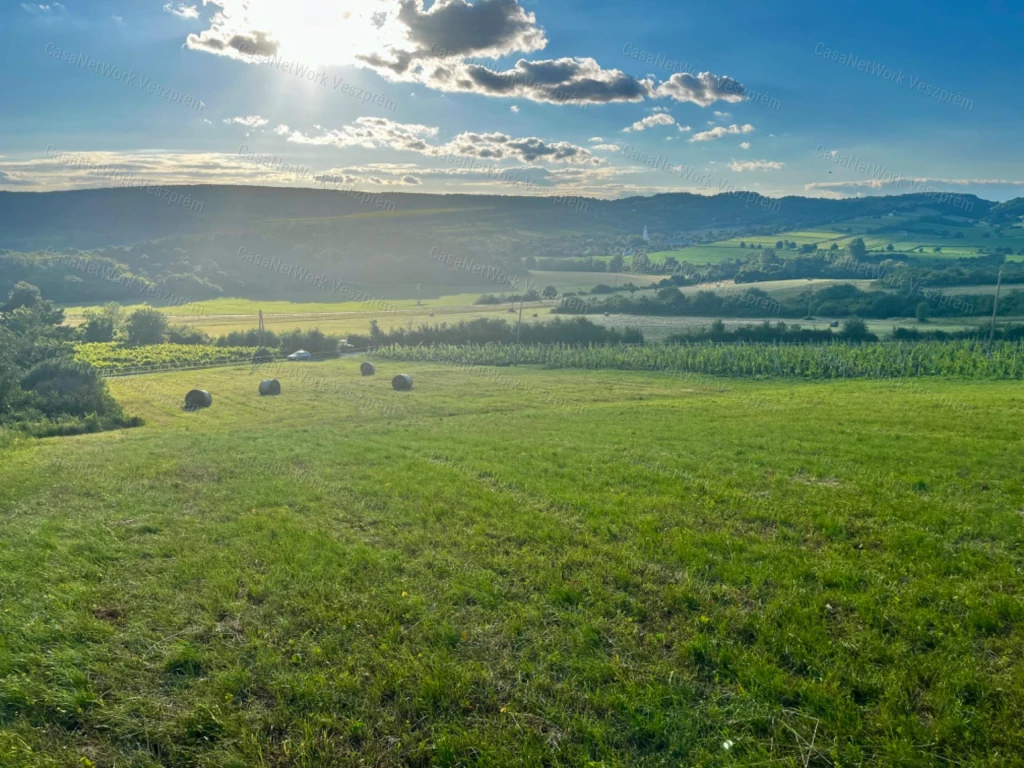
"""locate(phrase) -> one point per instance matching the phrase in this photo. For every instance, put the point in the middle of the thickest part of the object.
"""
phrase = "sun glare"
(325, 31)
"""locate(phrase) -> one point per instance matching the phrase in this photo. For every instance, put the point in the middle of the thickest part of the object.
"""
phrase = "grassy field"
(975, 237)
(584, 281)
(511, 566)
(657, 328)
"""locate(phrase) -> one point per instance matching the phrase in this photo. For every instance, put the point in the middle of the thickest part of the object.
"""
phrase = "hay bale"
(270, 387)
(367, 369)
(198, 398)
(402, 382)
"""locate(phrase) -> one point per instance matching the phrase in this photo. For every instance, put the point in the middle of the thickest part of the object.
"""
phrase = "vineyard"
(112, 357)
(967, 359)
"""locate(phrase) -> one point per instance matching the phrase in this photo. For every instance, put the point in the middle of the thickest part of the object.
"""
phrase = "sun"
(321, 32)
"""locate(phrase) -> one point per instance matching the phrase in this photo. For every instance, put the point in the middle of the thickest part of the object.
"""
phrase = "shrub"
(186, 334)
(146, 326)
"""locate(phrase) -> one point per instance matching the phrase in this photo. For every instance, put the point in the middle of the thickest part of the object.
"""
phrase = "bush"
(146, 326)
(64, 387)
(186, 334)
(98, 328)
(856, 329)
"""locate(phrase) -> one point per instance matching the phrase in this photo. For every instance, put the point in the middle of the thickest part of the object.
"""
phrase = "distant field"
(235, 306)
(518, 567)
(584, 281)
(702, 254)
(658, 328)
(902, 240)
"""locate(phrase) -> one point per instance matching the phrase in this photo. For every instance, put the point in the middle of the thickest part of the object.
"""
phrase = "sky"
(518, 97)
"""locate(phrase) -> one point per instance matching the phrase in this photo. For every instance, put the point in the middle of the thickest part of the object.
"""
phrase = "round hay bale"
(270, 387)
(367, 369)
(402, 382)
(198, 398)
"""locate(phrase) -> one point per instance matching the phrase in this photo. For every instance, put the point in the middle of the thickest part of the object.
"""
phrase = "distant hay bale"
(270, 387)
(198, 398)
(367, 369)
(402, 382)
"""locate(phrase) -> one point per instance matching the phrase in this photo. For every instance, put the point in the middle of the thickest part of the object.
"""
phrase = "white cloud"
(684, 128)
(595, 139)
(916, 185)
(368, 132)
(755, 165)
(703, 89)
(44, 8)
(379, 132)
(721, 131)
(722, 115)
(745, 145)
(252, 121)
(183, 11)
(658, 118)
(606, 148)
(514, 108)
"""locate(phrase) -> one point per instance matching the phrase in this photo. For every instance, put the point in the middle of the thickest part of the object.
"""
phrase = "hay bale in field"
(198, 398)
(367, 369)
(270, 387)
(402, 382)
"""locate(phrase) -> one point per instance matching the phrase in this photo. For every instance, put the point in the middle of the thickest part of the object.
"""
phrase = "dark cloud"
(456, 29)
(498, 146)
(556, 81)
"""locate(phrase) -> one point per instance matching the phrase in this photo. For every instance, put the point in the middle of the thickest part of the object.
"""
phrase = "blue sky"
(516, 96)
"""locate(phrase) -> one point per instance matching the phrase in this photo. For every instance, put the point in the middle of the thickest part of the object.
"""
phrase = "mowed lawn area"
(512, 566)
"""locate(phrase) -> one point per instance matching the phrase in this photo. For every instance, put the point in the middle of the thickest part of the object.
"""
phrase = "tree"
(857, 249)
(833, 247)
(855, 329)
(549, 292)
(889, 248)
(146, 326)
(922, 312)
(668, 294)
(616, 263)
(103, 324)
(25, 309)
(780, 245)
(22, 295)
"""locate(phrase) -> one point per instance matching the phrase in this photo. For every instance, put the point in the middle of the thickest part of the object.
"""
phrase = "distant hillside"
(97, 218)
(184, 244)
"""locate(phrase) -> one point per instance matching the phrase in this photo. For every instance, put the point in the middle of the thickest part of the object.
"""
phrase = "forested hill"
(98, 218)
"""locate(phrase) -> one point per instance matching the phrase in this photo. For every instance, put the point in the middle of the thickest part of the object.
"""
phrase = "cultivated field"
(673, 570)
(903, 239)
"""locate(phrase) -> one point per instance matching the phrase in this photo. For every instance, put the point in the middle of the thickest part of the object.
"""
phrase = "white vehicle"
(300, 355)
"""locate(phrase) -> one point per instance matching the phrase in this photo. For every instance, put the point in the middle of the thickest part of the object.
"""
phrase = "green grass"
(518, 567)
